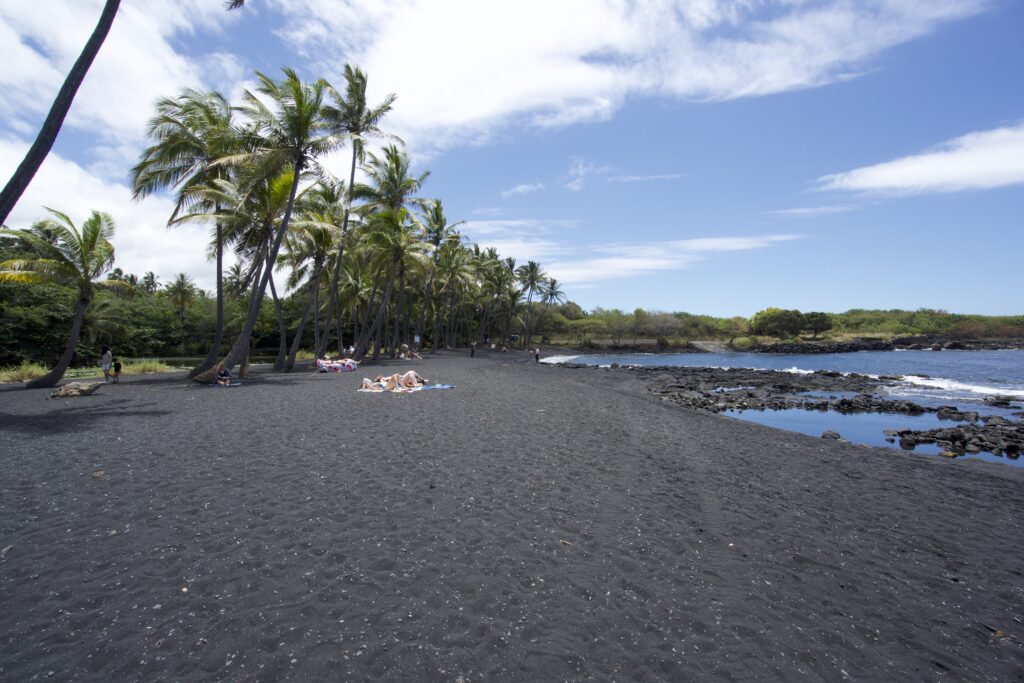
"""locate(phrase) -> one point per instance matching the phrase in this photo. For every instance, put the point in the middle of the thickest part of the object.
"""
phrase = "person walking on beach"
(472, 349)
(117, 371)
(108, 359)
(536, 355)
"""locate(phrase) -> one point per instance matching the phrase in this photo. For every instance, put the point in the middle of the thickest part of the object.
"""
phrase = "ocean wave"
(953, 385)
(555, 360)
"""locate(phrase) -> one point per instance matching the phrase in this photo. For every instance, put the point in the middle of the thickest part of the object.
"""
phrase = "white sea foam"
(555, 360)
(798, 371)
(953, 385)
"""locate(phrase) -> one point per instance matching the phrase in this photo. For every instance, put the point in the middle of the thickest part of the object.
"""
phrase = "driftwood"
(75, 389)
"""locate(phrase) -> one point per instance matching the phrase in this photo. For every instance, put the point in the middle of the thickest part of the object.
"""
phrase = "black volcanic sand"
(536, 523)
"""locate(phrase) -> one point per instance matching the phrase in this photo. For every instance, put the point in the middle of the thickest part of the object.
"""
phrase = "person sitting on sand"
(411, 380)
(223, 375)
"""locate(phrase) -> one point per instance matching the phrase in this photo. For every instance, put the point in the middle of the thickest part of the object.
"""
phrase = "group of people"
(396, 382)
(325, 364)
(111, 367)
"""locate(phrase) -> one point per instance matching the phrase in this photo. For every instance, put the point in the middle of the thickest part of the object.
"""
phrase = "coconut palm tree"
(191, 133)
(150, 282)
(531, 276)
(550, 293)
(391, 186)
(436, 230)
(77, 259)
(352, 117)
(58, 111)
(293, 134)
(181, 291)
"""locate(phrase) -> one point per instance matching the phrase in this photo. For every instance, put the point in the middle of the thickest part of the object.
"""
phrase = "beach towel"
(406, 390)
(439, 386)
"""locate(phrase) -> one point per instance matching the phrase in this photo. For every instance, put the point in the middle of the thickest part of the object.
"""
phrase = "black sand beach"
(535, 523)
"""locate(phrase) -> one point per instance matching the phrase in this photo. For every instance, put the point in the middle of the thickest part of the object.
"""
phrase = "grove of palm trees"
(371, 264)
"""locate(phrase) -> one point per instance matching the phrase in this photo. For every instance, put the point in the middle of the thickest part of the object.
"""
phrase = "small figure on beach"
(472, 349)
(117, 371)
(536, 355)
(223, 375)
(108, 359)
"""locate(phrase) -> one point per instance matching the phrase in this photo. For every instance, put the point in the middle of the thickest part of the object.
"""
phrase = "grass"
(27, 371)
(304, 355)
(22, 373)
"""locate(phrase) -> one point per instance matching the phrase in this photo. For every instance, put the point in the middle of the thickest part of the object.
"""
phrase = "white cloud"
(810, 211)
(631, 260)
(142, 241)
(644, 178)
(538, 240)
(977, 161)
(479, 66)
(525, 188)
(579, 169)
(137, 64)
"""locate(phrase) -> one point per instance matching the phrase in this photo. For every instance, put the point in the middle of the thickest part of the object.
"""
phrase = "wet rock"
(829, 434)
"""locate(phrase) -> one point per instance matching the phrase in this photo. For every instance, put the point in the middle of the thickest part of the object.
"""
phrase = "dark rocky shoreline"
(717, 390)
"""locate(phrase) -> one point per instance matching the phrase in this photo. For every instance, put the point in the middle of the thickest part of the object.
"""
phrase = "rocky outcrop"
(993, 435)
(811, 347)
(75, 389)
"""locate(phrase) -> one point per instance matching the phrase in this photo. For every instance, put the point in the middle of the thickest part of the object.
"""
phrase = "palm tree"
(191, 132)
(150, 282)
(550, 293)
(293, 134)
(181, 292)
(58, 111)
(77, 259)
(391, 186)
(436, 230)
(352, 117)
(531, 276)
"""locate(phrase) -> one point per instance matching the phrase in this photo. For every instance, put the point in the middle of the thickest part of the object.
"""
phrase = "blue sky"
(709, 156)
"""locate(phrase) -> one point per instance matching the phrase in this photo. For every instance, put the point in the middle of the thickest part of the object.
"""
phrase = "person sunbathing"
(409, 380)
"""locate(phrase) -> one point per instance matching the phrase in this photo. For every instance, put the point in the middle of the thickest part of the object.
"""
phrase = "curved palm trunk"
(241, 346)
(282, 329)
(55, 117)
(218, 336)
(53, 376)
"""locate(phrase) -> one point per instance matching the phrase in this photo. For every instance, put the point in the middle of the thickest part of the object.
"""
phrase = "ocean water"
(931, 378)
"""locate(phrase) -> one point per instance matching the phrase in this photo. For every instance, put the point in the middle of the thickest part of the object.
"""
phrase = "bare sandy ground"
(535, 523)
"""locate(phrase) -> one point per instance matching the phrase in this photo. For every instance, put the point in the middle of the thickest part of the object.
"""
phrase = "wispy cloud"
(535, 239)
(579, 169)
(632, 260)
(487, 211)
(525, 188)
(810, 211)
(644, 178)
(587, 57)
(977, 161)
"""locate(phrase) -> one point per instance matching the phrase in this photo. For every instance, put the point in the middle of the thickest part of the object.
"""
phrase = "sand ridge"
(536, 523)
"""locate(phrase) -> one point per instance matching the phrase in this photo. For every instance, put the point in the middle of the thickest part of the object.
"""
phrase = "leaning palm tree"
(58, 111)
(293, 134)
(150, 282)
(191, 132)
(77, 260)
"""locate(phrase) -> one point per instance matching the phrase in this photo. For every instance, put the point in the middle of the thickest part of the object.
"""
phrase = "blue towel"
(439, 386)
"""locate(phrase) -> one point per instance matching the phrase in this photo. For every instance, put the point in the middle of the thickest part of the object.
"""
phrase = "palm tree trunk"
(218, 335)
(316, 317)
(53, 376)
(438, 318)
(314, 286)
(325, 340)
(58, 111)
(241, 344)
(282, 329)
